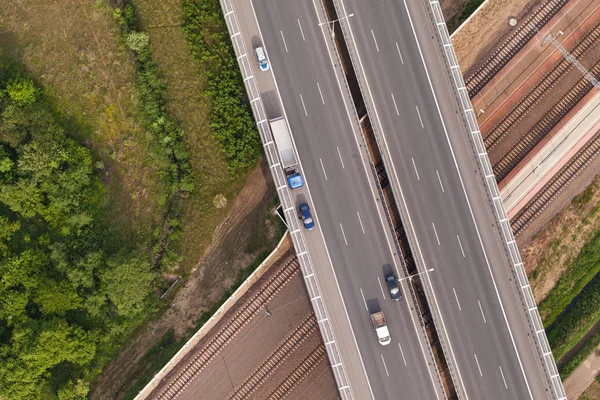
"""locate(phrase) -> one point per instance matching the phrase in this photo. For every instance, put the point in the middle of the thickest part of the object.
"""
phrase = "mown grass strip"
(577, 275)
(576, 322)
(584, 352)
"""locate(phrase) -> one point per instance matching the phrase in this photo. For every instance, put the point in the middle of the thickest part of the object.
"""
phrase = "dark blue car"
(305, 216)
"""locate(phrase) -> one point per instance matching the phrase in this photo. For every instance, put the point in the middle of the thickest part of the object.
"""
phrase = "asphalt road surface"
(347, 215)
(434, 170)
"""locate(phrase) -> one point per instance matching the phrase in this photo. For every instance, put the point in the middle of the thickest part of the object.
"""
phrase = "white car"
(261, 57)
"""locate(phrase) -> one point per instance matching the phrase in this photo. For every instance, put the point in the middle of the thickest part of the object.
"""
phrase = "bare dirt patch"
(592, 392)
(548, 254)
(233, 247)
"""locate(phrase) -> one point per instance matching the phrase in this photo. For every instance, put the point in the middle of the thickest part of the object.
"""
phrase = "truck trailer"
(289, 161)
(380, 325)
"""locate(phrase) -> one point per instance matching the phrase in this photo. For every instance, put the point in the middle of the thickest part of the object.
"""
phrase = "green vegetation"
(69, 289)
(579, 273)
(170, 151)
(577, 321)
(230, 118)
(584, 352)
(461, 17)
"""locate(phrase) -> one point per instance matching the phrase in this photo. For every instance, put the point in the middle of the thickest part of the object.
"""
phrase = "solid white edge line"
(469, 204)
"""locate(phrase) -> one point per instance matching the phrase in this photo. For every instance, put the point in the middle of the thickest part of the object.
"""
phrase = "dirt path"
(209, 280)
(583, 376)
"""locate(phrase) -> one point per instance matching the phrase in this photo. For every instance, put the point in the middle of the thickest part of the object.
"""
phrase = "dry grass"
(549, 253)
(71, 48)
(185, 84)
(592, 392)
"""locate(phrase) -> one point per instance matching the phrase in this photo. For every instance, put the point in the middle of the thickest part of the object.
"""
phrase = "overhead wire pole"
(569, 57)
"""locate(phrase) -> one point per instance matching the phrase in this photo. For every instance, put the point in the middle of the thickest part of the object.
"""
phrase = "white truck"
(283, 141)
(380, 325)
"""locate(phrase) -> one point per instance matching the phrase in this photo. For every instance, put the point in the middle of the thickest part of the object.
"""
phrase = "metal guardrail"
(287, 203)
(503, 223)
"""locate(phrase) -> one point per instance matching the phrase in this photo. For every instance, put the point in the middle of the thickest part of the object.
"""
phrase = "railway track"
(543, 87)
(283, 351)
(558, 111)
(299, 373)
(511, 46)
(230, 330)
(556, 185)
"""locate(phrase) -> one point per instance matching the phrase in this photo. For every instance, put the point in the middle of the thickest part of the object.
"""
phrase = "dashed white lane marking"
(343, 234)
(402, 352)
(482, 314)
(436, 235)
(284, 44)
(341, 159)
(440, 180)
(399, 53)
(385, 366)
(375, 40)
(360, 222)
(415, 167)
(322, 167)
(303, 105)
(320, 93)
(460, 244)
(301, 31)
(503, 380)
(478, 367)
(420, 119)
(395, 105)
(456, 297)
(381, 287)
(363, 296)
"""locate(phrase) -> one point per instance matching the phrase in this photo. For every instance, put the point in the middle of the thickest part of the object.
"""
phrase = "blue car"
(305, 216)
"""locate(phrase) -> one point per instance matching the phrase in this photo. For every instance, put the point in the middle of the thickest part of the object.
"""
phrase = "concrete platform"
(551, 154)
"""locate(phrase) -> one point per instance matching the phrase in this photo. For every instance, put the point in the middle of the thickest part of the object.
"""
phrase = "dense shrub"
(584, 352)
(231, 117)
(67, 297)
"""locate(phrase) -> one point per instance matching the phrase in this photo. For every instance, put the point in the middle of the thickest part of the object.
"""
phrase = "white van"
(261, 57)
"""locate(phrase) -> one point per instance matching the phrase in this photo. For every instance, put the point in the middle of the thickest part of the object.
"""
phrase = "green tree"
(128, 282)
(22, 92)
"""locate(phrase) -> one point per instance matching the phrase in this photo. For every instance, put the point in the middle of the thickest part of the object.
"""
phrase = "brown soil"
(562, 238)
(213, 275)
(592, 392)
(478, 39)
